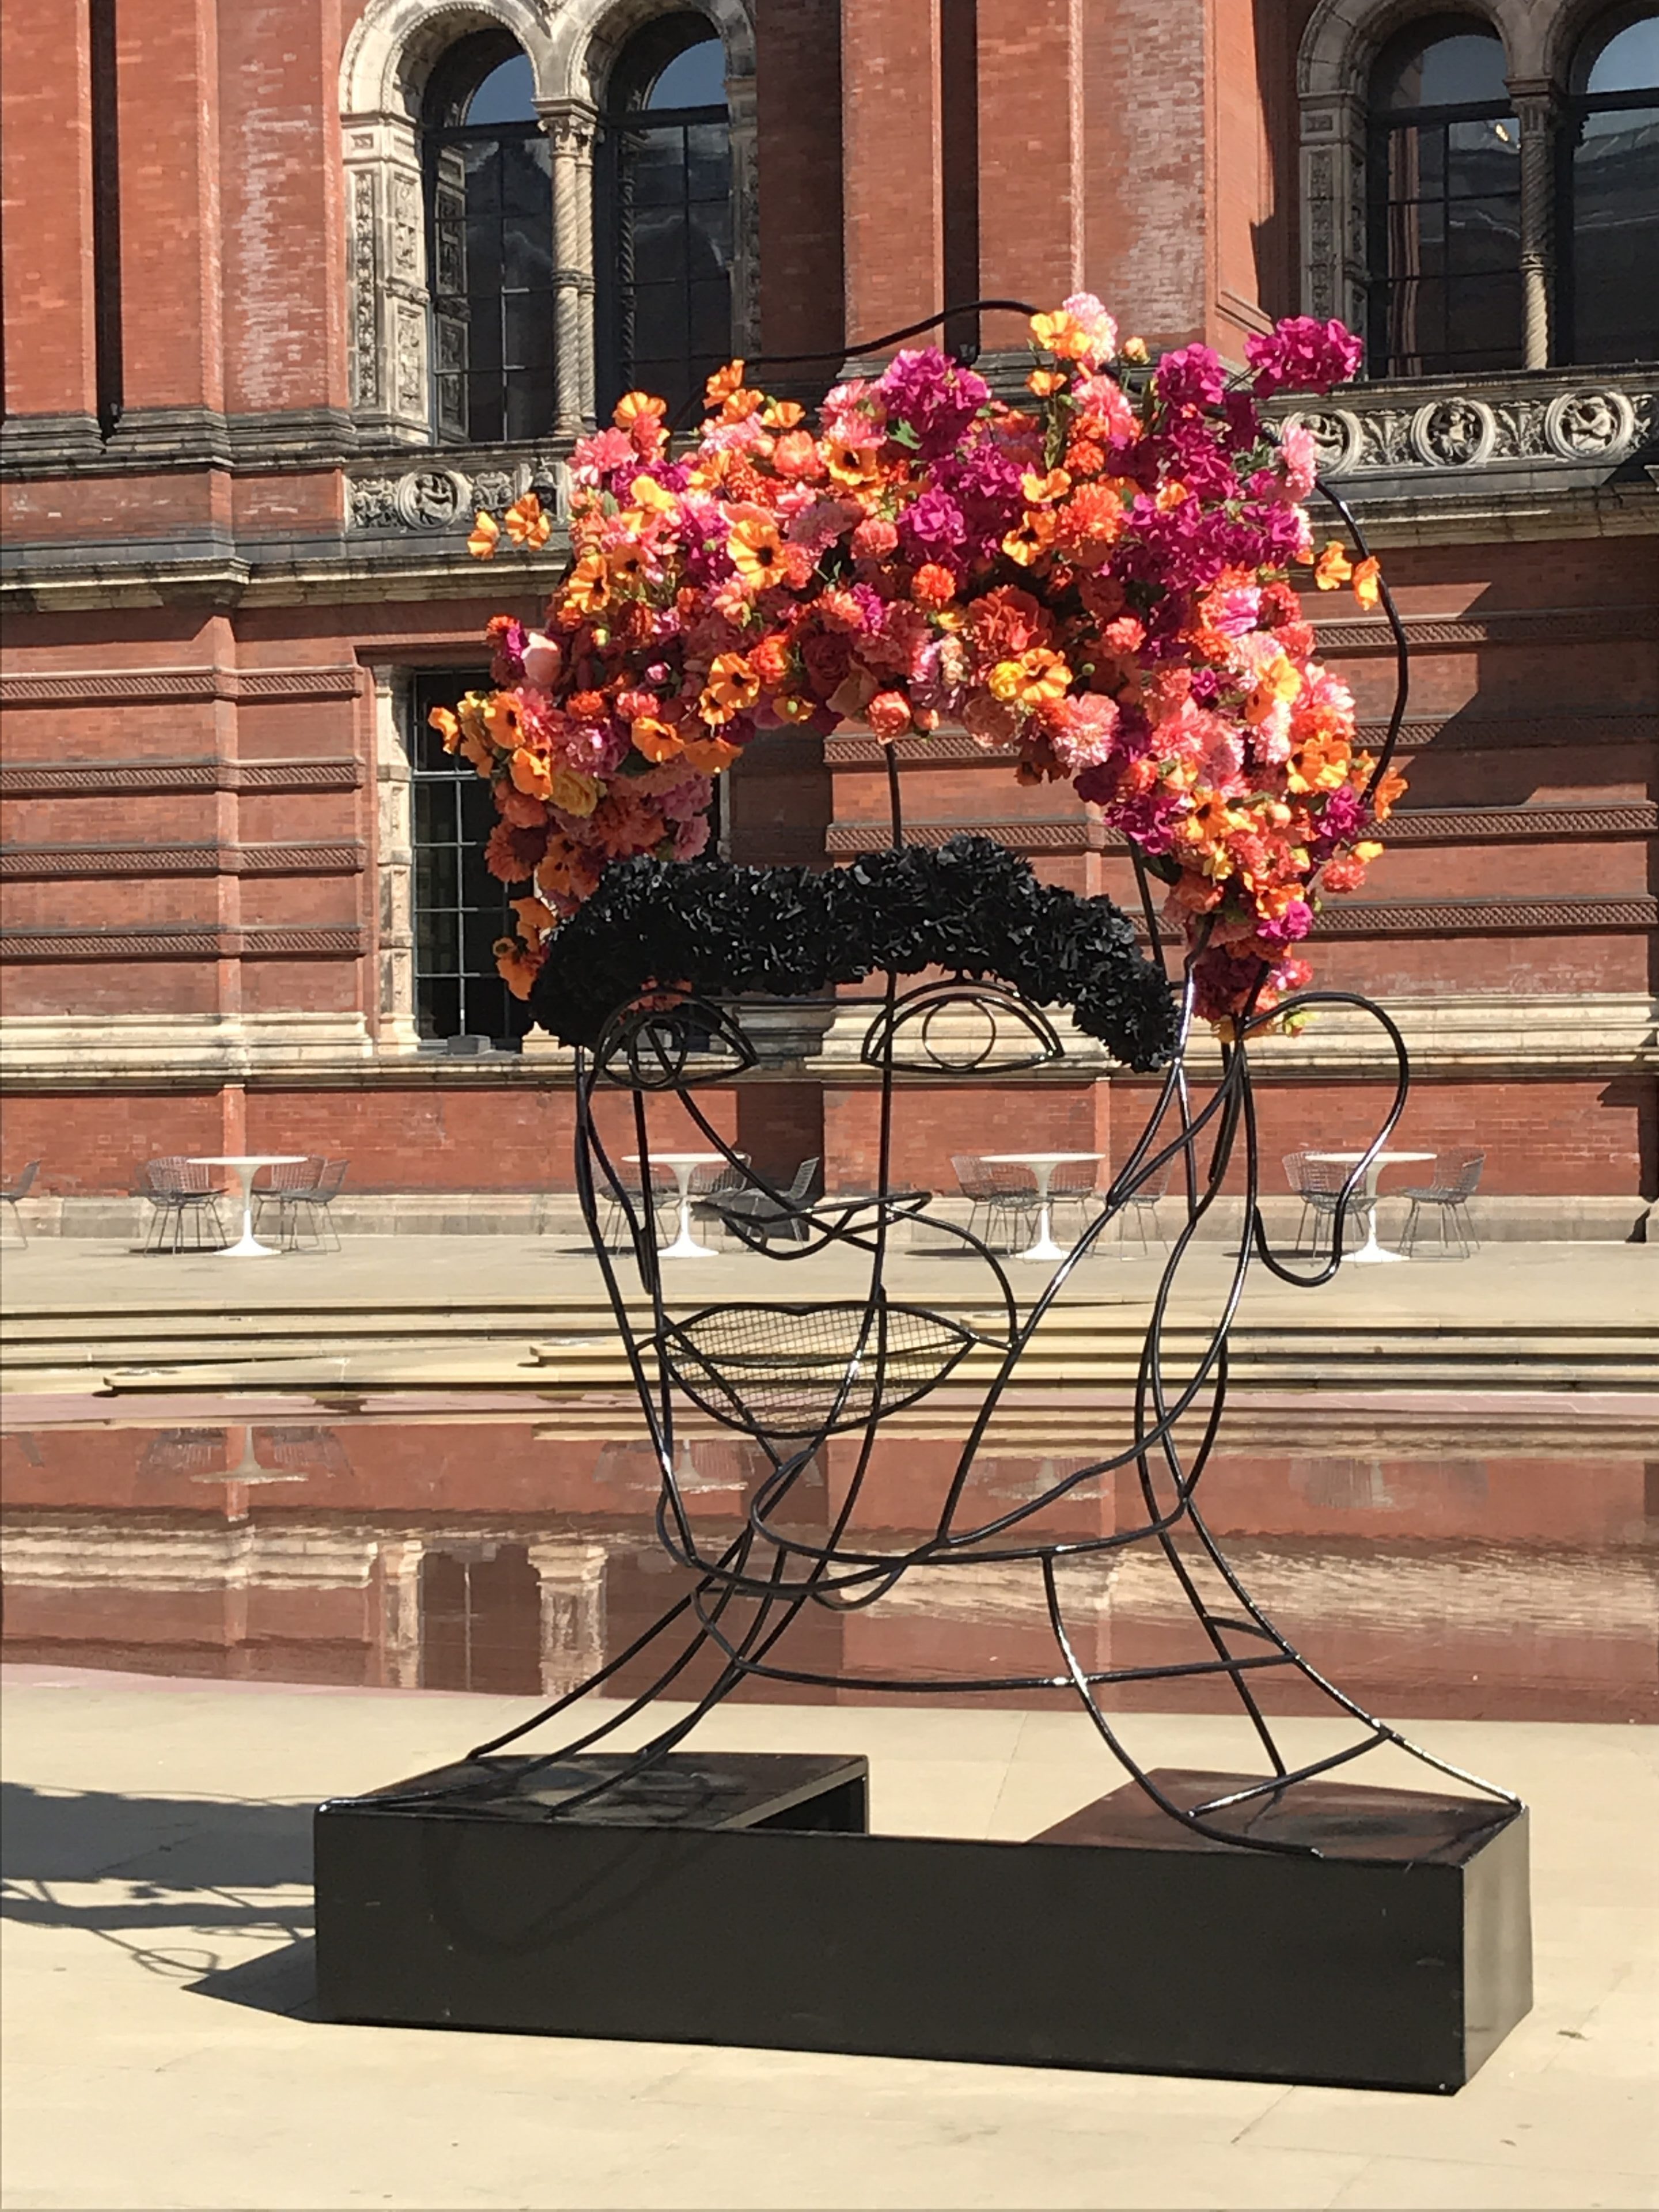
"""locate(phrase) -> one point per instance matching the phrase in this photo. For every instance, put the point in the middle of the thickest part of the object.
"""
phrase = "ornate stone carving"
(408, 357)
(373, 504)
(434, 498)
(1590, 425)
(428, 499)
(1453, 434)
(406, 227)
(365, 333)
(1336, 433)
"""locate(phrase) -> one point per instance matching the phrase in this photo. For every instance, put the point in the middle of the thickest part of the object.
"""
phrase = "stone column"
(572, 1570)
(746, 214)
(1538, 109)
(571, 127)
(398, 1638)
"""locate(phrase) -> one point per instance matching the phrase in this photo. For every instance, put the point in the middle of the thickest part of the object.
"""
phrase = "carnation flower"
(1192, 376)
(935, 396)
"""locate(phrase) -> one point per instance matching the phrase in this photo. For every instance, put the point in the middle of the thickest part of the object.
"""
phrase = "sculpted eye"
(962, 1028)
(666, 1042)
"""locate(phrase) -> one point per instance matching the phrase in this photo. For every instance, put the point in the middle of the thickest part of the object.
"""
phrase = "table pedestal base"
(737, 1898)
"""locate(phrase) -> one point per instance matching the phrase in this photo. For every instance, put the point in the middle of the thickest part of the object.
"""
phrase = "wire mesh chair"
(1453, 1180)
(614, 1229)
(302, 1191)
(1318, 1184)
(708, 1188)
(14, 1193)
(185, 1201)
(1002, 1199)
(1072, 1184)
(1141, 1206)
(760, 1213)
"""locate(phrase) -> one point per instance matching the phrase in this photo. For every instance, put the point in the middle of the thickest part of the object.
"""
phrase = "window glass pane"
(437, 945)
(1615, 237)
(529, 402)
(711, 319)
(658, 244)
(710, 242)
(709, 161)
(529, 340)
(1629, 60)
(507, 94)
(526, 171)
(696, 78)
(1484, 235)
(486, 409)
(659, 321)
(526, 252)
(656, 165)
(437, 1007)
(1461, 65)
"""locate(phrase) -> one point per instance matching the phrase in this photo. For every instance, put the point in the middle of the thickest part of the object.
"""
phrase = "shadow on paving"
(194, 1865)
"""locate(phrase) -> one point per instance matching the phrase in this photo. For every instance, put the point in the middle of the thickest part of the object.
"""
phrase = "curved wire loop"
(789, 1375)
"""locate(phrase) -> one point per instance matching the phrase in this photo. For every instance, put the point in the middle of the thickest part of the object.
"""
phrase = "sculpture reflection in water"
(789, 1374)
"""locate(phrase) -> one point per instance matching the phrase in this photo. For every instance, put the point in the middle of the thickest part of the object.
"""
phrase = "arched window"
(663, 214)
(1609, 288)
(1444, 203)
(490, 245)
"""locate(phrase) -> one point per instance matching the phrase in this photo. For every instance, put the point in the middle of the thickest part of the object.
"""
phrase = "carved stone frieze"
(433, 496)
(1526, 422)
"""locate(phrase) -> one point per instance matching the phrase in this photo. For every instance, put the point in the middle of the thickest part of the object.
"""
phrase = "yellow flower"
(1041, 491)
(572, 792)
(530, 774)
(646, 492)
(445, 724)
(481, 540)
(732, 687)
(637, 406)
(1134, 350)
(1367, 582)
(1062, 335)
(1036, 679)
(723, 383)
(500, 716)
(1032, 538)
(1046, 381)
(587, 588)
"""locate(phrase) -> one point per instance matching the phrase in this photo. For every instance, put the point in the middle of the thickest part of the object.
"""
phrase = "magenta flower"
(935, 395)
(1192, 376)
(1302, 354)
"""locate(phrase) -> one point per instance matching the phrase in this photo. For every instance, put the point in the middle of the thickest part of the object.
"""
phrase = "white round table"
(245, 1166)
(1370, 1251)
(685, 1245)
(1042, 1166)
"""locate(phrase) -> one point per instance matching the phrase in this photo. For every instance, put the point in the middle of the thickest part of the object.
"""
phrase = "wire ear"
(962, 1027)
(669, 1041)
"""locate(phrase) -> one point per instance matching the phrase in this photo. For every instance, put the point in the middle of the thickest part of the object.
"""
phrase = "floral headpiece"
(1095, 583)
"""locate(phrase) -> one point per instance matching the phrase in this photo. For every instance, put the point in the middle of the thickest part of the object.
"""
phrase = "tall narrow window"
(106, 219)
(1444, 212)
(490, 219)
(1610, 267)
(663, 216)
(459, 907)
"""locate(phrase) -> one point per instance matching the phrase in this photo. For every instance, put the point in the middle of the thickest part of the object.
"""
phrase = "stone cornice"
(129, 779)
(156, 687)
(48, 863)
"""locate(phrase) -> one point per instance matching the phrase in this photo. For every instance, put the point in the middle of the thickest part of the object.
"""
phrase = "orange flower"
(770, 659)
(740, 405)
(732, 688)
(708, 755)
(447, 727)
(1062, 335)
(531, 773)
(657, 740)
(527, 525)
(1367, 581)
(533, 914)
(1318, 763)
(1032, 538)
(933, 586)
(1046, 381)
(1042, 491)
(723, 383)
(646, 492)
(756, 551)
(889, 715)
(640, 415)
(1279, 680)
(1332, 567)
(517, 968)
(783, 413)
(500, 716)
(796, 454)
(587, 707)
(1171, 495)
(587, 588)
(481, 540)
(1036, 679)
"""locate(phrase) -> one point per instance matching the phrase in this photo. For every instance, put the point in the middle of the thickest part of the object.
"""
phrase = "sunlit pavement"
(161, 2049)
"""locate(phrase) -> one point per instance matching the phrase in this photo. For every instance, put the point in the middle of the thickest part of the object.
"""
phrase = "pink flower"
(1298, 459)
(690, 838)
(1302, 354)
(1101, 330)
(1081, 729)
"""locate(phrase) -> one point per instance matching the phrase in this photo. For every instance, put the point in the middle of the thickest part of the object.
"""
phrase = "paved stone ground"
(162, 2051)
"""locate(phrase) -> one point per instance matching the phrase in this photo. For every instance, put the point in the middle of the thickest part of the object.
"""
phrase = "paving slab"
(163, 2050)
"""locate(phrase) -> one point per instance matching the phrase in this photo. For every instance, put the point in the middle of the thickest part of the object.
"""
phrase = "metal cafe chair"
(711, 1186)
(1002, 1199)
(1453, 1180)
(1073, 1185)
(664, 1201)
(1318, 1184)
(1141, 1206)
(761, 1214)
(14, 1193)
(186, 1202)
(302, 1191)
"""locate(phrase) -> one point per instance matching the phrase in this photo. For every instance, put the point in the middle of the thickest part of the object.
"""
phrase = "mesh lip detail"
(780, 1370)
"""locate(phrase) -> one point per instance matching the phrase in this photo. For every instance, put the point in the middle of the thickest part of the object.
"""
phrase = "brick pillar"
(173, 341)
(893, 194)
(45, 67)
(1031, 155)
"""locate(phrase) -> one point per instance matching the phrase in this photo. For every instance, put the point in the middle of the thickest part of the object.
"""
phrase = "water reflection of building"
(462, 1556)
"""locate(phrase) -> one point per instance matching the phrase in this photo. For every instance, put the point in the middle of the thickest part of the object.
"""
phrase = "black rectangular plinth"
(736, 1899)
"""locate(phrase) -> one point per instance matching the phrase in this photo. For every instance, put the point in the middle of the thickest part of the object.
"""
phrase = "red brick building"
(289, 288)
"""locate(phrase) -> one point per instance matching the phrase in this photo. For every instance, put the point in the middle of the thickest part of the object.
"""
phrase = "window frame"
(1577, 108)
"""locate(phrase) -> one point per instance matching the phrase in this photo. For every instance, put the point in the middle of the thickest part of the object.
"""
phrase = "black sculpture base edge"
(739, 1898)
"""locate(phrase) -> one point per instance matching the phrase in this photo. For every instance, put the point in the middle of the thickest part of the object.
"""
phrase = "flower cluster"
(1096, 584)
